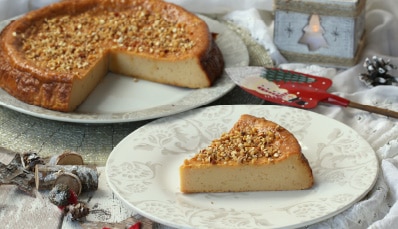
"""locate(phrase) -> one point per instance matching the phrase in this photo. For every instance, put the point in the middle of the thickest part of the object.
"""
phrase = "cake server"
(295, 89)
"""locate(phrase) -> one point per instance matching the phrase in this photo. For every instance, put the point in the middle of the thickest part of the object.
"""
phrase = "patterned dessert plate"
(143, 171)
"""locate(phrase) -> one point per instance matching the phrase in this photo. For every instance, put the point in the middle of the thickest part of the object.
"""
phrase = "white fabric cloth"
(379, 209)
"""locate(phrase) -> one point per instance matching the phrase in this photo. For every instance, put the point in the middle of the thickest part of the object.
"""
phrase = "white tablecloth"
(380, 208)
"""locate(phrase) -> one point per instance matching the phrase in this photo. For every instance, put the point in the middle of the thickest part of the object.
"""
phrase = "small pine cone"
(77, 211)
(30, 160)
(59, 195)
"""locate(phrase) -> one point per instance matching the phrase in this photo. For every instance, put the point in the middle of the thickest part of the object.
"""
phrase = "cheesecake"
(255, 155)
(54, 57)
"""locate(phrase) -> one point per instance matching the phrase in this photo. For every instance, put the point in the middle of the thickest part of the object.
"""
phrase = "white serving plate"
(143, 171)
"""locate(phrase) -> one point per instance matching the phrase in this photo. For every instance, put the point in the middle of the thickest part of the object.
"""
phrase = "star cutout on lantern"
(335, 34)
(289, 30)
(313, 34)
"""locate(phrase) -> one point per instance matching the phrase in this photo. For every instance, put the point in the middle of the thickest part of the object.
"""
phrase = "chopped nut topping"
(70, 42)
(242, 147)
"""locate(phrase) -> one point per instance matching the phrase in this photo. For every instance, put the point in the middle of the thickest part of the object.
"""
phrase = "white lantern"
(323, 32)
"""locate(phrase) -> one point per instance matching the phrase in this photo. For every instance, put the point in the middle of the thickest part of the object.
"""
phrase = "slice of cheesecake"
(255, 155)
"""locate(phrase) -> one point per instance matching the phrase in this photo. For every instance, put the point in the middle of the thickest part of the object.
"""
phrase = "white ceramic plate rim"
(235, 54)
(329, 196)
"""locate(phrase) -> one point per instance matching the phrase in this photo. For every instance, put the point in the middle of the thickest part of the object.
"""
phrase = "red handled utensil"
(293, 88)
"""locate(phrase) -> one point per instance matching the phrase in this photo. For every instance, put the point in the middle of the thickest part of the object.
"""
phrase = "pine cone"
(77, 212)
(30, 160)
(59, 195)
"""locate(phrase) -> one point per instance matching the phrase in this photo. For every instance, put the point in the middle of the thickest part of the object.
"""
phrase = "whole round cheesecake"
(55, 56)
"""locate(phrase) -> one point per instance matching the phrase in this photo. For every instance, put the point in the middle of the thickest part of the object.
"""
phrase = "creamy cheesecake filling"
(82, 87)
(177, 74)
(286, 175)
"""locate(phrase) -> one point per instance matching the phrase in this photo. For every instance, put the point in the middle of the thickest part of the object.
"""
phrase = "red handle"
(336, 100)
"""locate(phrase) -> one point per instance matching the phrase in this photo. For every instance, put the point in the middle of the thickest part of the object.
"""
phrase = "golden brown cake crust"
(284, 140)
(282, 153)
(30, 80)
